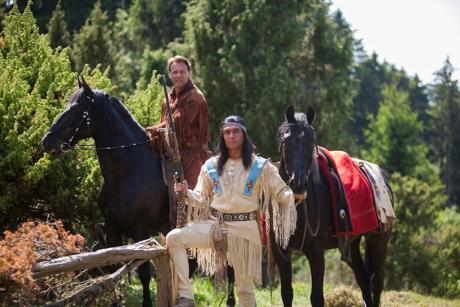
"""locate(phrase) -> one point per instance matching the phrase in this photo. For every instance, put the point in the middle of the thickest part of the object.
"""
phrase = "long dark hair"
(221, 149)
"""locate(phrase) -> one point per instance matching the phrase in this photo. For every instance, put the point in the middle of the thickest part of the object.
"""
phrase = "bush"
(424, 252)
(21, 250)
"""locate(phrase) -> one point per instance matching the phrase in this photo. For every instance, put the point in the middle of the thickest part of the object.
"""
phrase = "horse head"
(75, 122)
(297, 143)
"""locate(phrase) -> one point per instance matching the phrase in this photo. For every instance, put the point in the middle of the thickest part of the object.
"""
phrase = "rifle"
(181, 218)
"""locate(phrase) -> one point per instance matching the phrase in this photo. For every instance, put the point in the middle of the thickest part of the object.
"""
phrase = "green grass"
(205, 296)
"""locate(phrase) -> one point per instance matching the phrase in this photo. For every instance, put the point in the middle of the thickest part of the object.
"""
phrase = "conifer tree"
(93, 45)
(255, 58)
(35, 82)
(446, 128)
(57, 28)
(240, 51)
(370, 77)
(323, 64)
(394, 135)
(141, 36)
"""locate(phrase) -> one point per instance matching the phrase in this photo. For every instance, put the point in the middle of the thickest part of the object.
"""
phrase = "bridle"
(283, 160)
(86, 117)
(307, 227)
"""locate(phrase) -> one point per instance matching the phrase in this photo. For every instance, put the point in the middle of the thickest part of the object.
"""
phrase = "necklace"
(234, 170)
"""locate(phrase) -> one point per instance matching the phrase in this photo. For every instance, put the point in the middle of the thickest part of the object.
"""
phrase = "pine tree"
(323, 64)
(446, 128)
(370, 77)
(394, 136)
(93, 45)
(240, 51)
(35, 82)
(57, 28)
(141, 36)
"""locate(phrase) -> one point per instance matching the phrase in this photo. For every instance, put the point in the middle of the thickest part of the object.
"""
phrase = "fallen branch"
(107, 283)
(143, 250)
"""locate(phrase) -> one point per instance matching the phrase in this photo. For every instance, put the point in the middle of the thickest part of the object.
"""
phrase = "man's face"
(179, 74)
(233, 137)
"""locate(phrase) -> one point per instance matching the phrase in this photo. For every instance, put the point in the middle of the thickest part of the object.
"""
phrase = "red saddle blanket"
(358, 193)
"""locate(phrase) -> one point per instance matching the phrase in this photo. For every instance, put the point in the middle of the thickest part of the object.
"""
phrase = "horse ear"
(290, 114)
(88, 91)
(310, 115)
(79, 82)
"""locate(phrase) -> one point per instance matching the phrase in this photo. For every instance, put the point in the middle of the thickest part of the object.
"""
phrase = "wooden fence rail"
(135, 254)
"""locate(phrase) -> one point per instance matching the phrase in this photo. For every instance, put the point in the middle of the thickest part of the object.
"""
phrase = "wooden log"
(146, 249)
(165, 293)
(95, 289)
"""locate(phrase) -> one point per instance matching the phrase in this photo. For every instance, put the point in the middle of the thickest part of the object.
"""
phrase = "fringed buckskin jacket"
(190, 115)
(244, 237)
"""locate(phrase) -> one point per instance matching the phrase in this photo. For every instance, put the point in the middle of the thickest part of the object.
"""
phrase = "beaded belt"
(234, 217)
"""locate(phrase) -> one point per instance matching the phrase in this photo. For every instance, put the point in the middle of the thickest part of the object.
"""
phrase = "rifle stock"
(181, 218)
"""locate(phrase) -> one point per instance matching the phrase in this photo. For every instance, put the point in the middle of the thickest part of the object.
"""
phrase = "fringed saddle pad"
(382, 193)
(358, 192)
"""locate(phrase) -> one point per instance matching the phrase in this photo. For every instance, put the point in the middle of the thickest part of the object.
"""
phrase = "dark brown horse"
(297, 141)
(133, 197)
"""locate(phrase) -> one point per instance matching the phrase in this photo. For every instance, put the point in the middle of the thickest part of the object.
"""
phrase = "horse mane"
(113, 110)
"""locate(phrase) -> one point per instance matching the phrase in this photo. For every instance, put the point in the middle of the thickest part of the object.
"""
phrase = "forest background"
(251, 58)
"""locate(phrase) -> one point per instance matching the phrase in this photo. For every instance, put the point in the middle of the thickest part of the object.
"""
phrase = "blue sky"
(416, 35)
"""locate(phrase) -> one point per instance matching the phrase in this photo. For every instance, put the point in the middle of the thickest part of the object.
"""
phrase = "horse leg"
(316, 260)
(376, 247)
(283, 261)
(145, 275)
(113, 235)
(231, 287)
(360, 271)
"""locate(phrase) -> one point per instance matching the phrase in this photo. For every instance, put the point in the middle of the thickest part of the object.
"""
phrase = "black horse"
(297, 141)
(133, 197)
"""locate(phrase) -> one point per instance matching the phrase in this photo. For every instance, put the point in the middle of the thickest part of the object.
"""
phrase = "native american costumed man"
(227, 197)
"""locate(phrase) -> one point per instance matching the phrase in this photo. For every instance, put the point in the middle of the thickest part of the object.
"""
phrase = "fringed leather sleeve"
(281, 199)
(200, 198)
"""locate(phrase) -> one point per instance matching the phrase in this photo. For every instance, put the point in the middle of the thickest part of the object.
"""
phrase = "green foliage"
(423, 254)
(34, 83)
(57, 28)
(445, 128)
(2, 12)
(141, 35)
(446, 249)
(145, 104)
(323, 65)
(93, 45)
(371, 77)
(255, 58)
(240, 51)
(153, 24)
(393, 135)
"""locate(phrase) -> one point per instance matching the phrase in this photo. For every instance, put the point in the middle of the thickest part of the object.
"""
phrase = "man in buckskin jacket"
(190, 115)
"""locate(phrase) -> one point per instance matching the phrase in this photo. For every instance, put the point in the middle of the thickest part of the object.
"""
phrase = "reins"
(67, 146)
(91, 147)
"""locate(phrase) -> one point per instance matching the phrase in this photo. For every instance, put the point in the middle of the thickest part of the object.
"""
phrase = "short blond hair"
(178, 59)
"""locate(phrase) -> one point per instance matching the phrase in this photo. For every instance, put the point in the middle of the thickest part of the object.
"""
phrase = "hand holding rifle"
(181, 219)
